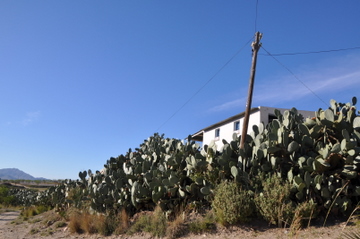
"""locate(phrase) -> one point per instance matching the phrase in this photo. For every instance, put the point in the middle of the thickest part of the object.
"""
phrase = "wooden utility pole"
(255, 48)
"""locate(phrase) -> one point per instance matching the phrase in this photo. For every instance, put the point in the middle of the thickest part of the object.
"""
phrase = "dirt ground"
(45, 226)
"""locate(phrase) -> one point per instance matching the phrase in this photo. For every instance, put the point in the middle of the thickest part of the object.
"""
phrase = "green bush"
(273, 202)
(232, 203)
(5, 198)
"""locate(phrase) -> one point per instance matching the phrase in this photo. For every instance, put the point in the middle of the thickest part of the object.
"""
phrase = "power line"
(206, 83)
(313, 52)
(269, 54)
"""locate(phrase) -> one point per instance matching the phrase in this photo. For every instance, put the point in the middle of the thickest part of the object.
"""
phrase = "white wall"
(227, 130)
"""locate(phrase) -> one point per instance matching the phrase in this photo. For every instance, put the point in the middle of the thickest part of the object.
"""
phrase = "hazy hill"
(14, 174)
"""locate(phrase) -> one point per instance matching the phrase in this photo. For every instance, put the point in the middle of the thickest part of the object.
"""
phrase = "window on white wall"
(237, 125)
(217, 133)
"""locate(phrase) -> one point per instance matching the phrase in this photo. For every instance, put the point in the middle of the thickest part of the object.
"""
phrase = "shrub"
(273, 203)
(5, 197)
(232, 203)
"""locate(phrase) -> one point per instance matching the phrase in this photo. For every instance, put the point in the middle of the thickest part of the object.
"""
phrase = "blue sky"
(83, 81)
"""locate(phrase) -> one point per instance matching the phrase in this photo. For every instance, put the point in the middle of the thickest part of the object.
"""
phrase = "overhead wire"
(206, 83)
(292, 73)
(313, 52)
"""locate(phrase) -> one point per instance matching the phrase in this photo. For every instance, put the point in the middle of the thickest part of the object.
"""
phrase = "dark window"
(217, 133)
(236, 125)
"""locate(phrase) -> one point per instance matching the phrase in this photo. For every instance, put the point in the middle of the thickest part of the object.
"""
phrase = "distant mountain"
(14, 174)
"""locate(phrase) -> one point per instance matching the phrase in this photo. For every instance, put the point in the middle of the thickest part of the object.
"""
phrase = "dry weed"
(88, 223)
(75, 222)
(177, 227)
(122, 222)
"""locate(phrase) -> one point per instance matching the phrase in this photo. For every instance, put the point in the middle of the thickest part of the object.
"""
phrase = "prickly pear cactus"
(319, 156)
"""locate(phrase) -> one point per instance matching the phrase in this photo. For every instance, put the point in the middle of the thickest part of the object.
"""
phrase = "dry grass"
(179, 224)
(123, 222)
(84, 222)
(89, 223)
(177, 227)
(75, 222)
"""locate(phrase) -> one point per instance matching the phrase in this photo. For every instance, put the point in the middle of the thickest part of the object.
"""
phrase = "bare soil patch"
(51, 225)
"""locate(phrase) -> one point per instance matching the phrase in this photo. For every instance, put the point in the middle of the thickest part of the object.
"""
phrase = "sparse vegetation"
(18, 221)
(142, 223)
(123, 222)
(176, 228)
(60, 224)
(303, 214)
(154, 223)
(203, 224)
(31, 211)
(34, 231)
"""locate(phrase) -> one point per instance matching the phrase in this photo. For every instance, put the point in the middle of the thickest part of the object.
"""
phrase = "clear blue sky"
(82, 81)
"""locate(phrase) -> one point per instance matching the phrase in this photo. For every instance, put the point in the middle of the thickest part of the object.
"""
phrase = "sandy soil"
(46, 226)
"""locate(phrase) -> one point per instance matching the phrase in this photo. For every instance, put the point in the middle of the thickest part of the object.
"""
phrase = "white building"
(226, 128)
